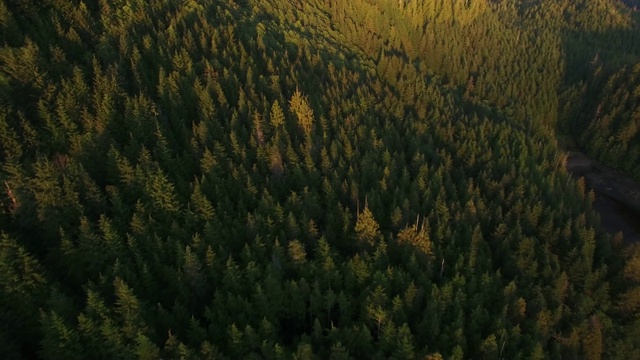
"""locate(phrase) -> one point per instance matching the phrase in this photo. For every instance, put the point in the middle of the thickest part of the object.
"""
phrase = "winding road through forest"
(617, 197)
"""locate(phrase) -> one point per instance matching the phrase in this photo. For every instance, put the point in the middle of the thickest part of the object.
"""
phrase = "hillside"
(309, 179)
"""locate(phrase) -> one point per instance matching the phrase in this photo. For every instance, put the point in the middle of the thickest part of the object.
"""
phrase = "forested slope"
(599, 99)
(611, 133)
(267, 179)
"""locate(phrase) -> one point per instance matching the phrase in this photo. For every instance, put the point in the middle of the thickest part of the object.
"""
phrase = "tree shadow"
(590, 59)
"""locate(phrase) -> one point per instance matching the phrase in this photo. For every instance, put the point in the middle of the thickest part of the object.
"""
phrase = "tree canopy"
(313, 179)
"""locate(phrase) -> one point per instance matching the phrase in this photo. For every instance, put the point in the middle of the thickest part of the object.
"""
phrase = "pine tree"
(299, 105)
(276, 117)
(367, 229)
(22, 292)
(417, 237)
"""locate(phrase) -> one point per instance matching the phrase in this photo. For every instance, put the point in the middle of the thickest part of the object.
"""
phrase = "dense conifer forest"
(366, 179)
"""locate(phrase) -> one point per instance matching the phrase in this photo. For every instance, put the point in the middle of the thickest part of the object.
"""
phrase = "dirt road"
(617, 196)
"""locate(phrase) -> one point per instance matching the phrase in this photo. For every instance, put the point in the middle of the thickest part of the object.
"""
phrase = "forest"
(315, 179)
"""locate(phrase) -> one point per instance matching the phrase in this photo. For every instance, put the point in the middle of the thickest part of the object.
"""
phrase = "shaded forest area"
(313, 179)
(631, 3)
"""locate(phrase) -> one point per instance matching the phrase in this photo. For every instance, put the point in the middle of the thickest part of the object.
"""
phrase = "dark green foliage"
(264, 179)
(611, 133)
